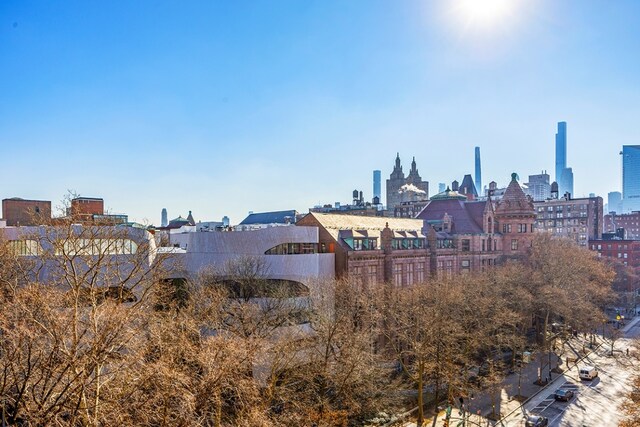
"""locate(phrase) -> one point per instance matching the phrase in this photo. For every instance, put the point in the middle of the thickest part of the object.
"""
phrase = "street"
(596, 402)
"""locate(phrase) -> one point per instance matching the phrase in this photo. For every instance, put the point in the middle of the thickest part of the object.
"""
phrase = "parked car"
(536, 421)
(564, 395)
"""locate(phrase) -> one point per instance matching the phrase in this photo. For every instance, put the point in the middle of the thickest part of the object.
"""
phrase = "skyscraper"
(164, 219)
(630, 178)
(539, 187)
(564, 175)
(377, 185)
(478, 173)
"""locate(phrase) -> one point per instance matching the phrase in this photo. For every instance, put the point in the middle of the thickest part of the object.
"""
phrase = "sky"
(226, 107)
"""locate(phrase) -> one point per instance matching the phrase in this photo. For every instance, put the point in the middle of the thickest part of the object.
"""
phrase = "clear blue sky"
(221, 107)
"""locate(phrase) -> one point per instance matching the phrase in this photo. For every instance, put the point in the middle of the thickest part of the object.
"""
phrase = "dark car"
(536, 421)
(565, 395)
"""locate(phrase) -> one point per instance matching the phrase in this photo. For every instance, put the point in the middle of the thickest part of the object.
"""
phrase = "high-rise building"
(578, 219)
(164, 219)
(478, 173)
(442, 187)
(630, 178)
(564, 175)
(614, 202)
(539, 187)
(377, 184)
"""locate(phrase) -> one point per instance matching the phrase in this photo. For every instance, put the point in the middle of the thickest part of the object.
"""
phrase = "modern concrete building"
(398, 186)
(288, 253)
(577, 219)
(109, 257)
(21, 212)
(630, 178)
(564, 175)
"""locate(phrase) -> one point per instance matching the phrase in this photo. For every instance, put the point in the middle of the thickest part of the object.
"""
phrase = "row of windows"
(25, 247)
(295, 249)
(96, 247)
(522, 228)
(408, 274)
(408, 244)
(77, 247)
(560, 208)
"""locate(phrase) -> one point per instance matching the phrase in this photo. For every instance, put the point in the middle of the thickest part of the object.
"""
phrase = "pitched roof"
(467, 186)
(370, 226)
(514, 201)
(277, 217)
(466, 216)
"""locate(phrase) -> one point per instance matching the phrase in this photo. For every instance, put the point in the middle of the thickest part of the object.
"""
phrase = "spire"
(397, 160)
(413, 165)
(190, 219)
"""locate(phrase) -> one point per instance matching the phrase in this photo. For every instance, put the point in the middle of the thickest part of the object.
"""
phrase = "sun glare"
(484, 13)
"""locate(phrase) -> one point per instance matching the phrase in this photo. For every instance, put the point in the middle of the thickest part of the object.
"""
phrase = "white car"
(588, 373)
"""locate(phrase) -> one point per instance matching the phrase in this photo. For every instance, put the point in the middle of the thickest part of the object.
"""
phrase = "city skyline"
(224, 108)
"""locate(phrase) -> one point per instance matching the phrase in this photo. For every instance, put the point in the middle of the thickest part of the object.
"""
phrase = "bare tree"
(70, 328)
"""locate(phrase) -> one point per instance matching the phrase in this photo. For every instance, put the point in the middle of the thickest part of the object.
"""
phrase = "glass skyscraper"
(564, 175)
(377, 187)
(478, 173)
(630, 178)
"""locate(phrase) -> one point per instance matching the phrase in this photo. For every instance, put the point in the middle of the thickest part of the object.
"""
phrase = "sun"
(483, 13)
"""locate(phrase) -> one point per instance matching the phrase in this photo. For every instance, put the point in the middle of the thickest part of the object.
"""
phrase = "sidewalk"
(507, 402)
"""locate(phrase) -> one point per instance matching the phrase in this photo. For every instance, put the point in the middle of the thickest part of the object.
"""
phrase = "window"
(397, 274)
(420, 272)
(24, 247)
(465, 245)
(409, 273)
(484, 245)
(373, 273)
(84, 247)
(506, 228)
(514, 244)
(298, 248)
(465, 264)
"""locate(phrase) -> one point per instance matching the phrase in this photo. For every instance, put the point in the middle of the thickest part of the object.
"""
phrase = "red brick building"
(630, 222)
(21, 212)
(627, 252)
(450, 235)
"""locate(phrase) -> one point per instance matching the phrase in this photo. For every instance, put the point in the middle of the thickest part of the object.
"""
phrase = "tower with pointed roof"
(397, 180)
(516, 217)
